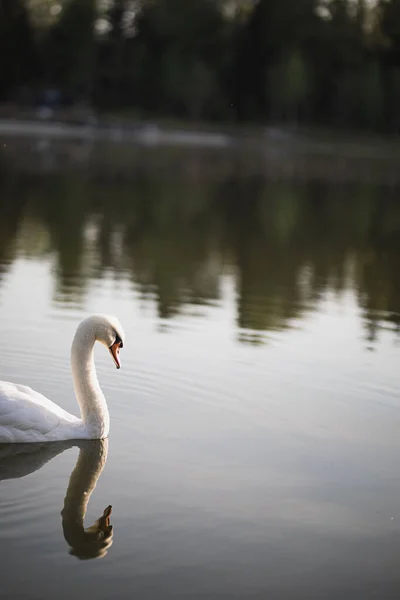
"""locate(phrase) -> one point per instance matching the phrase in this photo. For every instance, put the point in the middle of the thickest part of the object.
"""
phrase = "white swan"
(19, 460)
(94, 541)
(27, 416)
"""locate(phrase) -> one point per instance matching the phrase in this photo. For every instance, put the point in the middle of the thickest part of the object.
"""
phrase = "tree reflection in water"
(175, 234)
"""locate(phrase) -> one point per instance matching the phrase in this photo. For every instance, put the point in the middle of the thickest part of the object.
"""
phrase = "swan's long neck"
(91, 461)
(90, 398)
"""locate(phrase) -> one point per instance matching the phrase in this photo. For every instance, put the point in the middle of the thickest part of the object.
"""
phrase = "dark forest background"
(331, 63)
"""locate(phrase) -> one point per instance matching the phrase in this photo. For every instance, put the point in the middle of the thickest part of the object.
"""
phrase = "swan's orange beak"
(114, 350)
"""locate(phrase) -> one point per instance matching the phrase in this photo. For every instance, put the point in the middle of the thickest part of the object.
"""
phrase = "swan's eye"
(118, 341)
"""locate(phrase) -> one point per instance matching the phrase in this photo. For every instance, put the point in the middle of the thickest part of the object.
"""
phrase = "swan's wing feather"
(24, 409)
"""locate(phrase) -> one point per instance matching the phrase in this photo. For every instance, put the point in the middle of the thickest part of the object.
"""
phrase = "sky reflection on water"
(254, 435)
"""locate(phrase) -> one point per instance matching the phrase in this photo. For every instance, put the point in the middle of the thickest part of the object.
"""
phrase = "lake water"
(254, 445)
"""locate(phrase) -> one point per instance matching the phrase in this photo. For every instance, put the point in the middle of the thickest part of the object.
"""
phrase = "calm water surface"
(254, 445)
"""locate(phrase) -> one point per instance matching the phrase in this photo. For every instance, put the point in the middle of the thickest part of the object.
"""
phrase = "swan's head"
(107, 330)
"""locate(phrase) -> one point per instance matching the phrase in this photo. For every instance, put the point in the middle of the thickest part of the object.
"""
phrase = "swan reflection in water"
(19, 460)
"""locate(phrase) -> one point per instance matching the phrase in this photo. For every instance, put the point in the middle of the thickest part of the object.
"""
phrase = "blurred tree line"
(334, 62)
(285, 245)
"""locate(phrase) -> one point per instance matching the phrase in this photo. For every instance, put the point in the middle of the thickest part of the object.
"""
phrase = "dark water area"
(254, 423)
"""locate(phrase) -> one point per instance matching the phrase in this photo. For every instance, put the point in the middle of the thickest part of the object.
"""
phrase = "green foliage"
(373, 101)
(304, 61)
(71, 47)
(289, 88)
(17, 50)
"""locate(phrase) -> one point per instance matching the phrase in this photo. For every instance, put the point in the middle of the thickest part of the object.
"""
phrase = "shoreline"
(146, 134)
(276, 140)
(274, 154)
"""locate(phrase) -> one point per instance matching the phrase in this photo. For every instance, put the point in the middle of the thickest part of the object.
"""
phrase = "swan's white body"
(27, 416)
